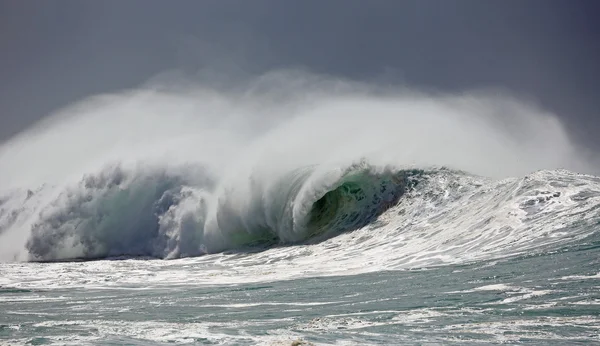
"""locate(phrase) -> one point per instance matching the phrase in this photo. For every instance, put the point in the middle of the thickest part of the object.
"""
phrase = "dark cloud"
(55, 52)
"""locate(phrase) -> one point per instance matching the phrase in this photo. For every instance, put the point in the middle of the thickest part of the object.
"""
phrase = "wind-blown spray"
(183, 171)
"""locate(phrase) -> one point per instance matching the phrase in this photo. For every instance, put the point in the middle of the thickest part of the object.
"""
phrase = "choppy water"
(543, 299)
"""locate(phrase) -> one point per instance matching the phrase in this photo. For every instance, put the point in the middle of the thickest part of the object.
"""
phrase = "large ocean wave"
(159, 214)
(179, 172)
(421, 214)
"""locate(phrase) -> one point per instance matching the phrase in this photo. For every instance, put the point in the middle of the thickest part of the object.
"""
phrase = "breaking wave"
(175, 172)
(441, 213)
(154, 213)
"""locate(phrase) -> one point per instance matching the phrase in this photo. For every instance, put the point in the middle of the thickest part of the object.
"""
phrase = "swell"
(151, 212)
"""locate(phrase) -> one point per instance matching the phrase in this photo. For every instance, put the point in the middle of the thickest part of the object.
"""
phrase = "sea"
(298, 211)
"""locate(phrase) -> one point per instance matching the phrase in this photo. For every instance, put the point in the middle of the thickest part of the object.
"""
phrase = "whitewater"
(298, 209)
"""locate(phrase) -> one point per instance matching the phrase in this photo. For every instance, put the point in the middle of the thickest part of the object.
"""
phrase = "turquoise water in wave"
(543, 299)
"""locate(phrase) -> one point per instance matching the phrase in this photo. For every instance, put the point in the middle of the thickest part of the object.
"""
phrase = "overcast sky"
(55, 52)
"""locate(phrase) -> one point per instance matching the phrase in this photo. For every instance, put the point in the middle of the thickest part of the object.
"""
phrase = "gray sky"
(56, 52)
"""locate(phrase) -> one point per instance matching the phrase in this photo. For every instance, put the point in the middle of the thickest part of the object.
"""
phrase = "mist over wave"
(184, 169)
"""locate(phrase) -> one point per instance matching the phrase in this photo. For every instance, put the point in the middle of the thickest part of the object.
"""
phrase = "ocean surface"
(396, 257)
(295, 209)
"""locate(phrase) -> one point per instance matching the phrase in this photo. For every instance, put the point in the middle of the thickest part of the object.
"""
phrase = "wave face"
(182, 172)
